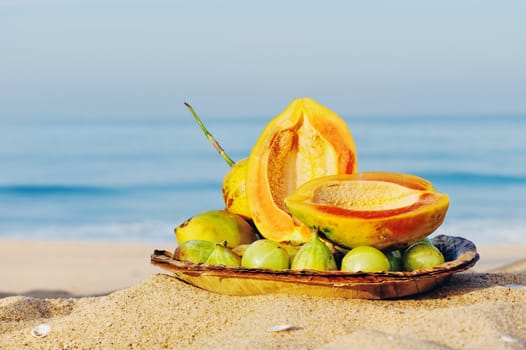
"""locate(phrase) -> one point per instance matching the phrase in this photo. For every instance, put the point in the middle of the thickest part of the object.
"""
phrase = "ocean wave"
(474, 178)
(43, 190)
(151, 231)
(94, 190)
(79, 189)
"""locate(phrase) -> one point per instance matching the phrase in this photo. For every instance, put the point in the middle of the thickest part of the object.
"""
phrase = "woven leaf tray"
(460, 254)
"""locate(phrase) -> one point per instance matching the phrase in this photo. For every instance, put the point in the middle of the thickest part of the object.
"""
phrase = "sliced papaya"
(304, 142)
(379, 209)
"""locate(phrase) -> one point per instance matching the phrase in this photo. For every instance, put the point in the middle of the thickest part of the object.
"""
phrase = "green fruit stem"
(210, 137)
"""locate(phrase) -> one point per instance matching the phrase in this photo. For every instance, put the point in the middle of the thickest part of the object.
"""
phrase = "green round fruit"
(395, 260)
(240, 249)
(421, 255)
(266, 254)
(195, 250)
(216, 226)
(314, 255)
(365, 259)
(292, 249)
(221, 255)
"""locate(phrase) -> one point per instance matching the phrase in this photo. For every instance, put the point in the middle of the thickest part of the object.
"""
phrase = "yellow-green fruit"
(240, 249)
(221, 255)
(365, 259)
(314, 255)
(234, 193)
(196, 251)
(216, 226)
(266, 254)
(421, 255)
(291, 248)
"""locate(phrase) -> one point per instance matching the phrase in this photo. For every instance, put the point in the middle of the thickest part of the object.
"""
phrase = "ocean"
(135, 179)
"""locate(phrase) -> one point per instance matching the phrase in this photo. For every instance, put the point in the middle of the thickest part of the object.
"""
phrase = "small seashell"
(41, 330)
(508, 339)
(282, 327)
(514, 286)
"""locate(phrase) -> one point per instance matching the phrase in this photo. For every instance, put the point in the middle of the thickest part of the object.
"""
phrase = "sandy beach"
(107, 295)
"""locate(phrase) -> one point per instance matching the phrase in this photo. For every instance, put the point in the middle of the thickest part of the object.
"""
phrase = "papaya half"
(304, 142)
(380, 209)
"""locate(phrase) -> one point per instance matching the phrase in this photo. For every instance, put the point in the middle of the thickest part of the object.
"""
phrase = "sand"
(70, 269)
(484, 308)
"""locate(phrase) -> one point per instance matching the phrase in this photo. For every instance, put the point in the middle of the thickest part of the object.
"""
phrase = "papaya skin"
(386, 210)
(305, 141)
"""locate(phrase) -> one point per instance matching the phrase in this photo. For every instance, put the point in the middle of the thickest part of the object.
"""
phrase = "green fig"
(196, 251)
(216, 226)
(221, 255)
(314, 255)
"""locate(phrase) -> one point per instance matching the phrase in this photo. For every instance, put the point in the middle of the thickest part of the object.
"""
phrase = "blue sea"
(135, 179)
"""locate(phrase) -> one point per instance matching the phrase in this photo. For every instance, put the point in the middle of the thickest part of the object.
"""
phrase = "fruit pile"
(297, 202)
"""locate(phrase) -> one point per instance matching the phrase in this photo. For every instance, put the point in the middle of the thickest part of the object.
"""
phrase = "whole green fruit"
(395, 260)
(196, 251)
(266, 254)
(365, 259)
(240, 249)
(291, 248)
(221, 255)
(421, 255)
(314, 255)
(216, 226)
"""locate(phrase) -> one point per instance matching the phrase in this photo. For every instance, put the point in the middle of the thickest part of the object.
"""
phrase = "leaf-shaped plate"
(460, 254)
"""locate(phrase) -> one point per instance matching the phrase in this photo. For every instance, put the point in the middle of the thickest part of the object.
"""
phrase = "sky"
(139, 59)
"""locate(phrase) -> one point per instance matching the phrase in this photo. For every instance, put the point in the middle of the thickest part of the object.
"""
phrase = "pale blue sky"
(240, 58)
